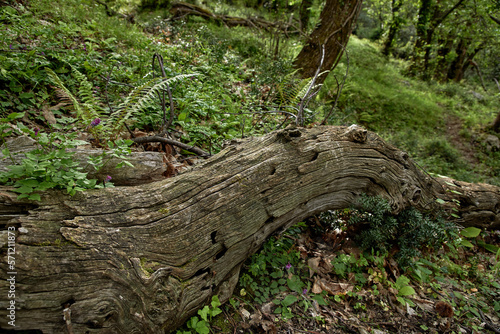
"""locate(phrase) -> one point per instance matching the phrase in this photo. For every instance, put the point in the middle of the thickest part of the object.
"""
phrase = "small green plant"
(277, 273)
(201, 324)
(345, 264)
(52, 165)
(403, 290)
(49, 166)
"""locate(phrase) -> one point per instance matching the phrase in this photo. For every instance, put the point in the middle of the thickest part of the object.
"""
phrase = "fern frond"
(93, 109)
(138, 99)
(86, 109)
(292, 91)
(63, 91)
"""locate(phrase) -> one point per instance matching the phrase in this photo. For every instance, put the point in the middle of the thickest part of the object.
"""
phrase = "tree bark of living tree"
(143, 259)
(394, 27)
(430, 16)
(336, 22)
(305, 14)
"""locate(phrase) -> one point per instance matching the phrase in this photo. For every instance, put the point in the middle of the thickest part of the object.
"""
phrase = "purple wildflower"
(108, 178)
(11, 47)
(95, 122)
(288, 266)
(304, 292)
(36, 131)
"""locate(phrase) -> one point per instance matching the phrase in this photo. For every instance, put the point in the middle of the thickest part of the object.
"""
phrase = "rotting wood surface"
(143, 259)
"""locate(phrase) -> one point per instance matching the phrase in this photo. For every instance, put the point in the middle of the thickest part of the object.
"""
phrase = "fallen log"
(143, 259)
(182, 9)
(148, 166)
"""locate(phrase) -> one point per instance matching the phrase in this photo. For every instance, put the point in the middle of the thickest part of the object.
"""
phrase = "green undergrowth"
(415, 115)
(239, 82)
(434, 273)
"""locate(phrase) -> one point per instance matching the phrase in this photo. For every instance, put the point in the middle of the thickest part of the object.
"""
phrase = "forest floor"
(465, 146)
(451, 299)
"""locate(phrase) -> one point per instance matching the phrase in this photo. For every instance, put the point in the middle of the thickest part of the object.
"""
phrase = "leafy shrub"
(406, 233)
(442, 149)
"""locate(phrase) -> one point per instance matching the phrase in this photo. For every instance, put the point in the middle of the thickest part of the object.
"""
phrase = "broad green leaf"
(182, 116)
(45, 185)
(24, 190)
(295, 284)
(319, 299)
(492, 248)
(402, 281)
(202, 327)
(215, 302)
(470, 232)
(289, 300)
(406, 291)
(466, 243)
(203, 313)
(215, 312)
(14, 115)
(34, 197)
(29, 183)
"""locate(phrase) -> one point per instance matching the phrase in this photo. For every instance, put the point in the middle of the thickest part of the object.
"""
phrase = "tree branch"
(152, 139)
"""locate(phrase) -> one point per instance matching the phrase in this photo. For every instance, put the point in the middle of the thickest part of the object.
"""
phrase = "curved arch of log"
(143, 259)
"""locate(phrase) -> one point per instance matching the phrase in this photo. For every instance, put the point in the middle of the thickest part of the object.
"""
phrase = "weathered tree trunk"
(336, 22)
(143, 259)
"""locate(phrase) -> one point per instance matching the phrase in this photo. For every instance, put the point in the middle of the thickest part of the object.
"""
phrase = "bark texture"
(143, 259)
(336, 22)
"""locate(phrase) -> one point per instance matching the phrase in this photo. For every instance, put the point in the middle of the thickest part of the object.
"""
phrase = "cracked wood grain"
(143, 259)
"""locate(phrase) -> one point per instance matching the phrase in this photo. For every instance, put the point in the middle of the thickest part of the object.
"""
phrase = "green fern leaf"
(93, 109)
(138, 99)
(88, 109)
(292, 90)
(64, 91)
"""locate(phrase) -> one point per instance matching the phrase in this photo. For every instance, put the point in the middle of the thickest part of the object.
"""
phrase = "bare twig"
(340, 88)
(158, 139)
(300, 114)
(262, 112)
(476, 66)
(166, 124)
(117, 83)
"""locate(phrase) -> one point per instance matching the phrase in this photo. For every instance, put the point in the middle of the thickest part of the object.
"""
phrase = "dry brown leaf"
(49, 116)
(330, 287)
(313, 265)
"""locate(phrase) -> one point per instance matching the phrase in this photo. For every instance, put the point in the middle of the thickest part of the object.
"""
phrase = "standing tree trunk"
(430, 16)
(305, 14)
(143, 259)
(333, 31)
(445, 47)
(463, 60)
(394, 27)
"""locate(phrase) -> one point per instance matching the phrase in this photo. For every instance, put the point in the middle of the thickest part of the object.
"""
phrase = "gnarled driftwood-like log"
(143, 259)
